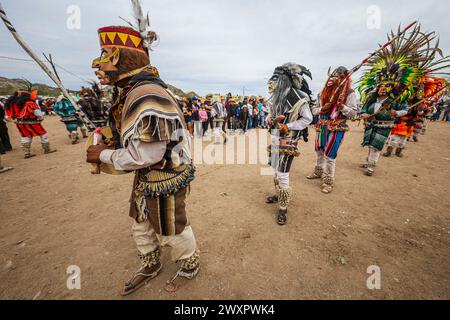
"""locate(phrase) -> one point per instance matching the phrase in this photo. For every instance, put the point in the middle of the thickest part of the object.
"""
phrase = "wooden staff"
(425, 99)
(89, 124)
(362, 63)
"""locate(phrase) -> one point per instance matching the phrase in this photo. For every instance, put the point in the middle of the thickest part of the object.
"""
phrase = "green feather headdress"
(402, 64)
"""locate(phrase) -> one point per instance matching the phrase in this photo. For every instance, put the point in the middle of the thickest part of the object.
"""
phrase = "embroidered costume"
(430, 91)
(394, 75)
(64, 108)
(333, 107)
(91, 105)
(28, 116)
(289, 117)
(150, 139)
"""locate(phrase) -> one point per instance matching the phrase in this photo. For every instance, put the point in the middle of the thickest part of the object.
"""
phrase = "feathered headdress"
(434, 89)
(141, 24)
(403, 63)
(27, 90)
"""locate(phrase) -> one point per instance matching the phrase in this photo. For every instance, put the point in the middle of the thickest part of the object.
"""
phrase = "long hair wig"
(288, 76)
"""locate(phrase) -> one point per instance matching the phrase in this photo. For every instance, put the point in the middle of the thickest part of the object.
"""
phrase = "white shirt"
(137, 155)
(305, 117)
(349, 110)
(379, 104)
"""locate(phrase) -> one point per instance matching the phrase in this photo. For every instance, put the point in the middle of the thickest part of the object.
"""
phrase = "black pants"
(281, 162)
(205, 126)
(211, 122)
(243, 125)
(5, 143)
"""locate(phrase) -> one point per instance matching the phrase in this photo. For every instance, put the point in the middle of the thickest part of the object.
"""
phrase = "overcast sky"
(216, 45)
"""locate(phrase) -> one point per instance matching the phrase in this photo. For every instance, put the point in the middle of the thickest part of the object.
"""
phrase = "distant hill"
(181, 93)
(8, 86)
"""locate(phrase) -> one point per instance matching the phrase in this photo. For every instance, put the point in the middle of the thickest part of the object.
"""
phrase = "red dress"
(28, 124)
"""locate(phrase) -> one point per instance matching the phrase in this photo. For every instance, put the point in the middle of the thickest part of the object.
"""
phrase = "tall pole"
(89, 124)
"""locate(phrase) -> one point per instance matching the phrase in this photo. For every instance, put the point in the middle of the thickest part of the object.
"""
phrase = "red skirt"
(31, 130)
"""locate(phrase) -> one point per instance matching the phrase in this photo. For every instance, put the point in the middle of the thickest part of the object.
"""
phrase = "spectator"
(196, 117)
(445, 109)
(265, 109)
(187, 112)
(208, 107)
(227, 106)
(219, 116)
(233, 114)
(260, 114)
(222, 101)
(204, 119)
(438, 111)
(250, 116)
(255, 114)
(243, 118)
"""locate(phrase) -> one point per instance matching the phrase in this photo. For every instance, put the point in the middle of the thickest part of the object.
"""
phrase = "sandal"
(179, 279)
(313, 176)
(282, 217)
(272, 199)
(140, 279)
(327, 188)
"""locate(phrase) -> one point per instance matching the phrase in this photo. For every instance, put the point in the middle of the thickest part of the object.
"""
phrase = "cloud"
(216, 45)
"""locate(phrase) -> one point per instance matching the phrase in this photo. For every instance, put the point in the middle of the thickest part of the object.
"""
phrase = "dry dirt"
(54, 214)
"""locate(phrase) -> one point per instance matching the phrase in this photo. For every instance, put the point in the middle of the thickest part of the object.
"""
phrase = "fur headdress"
(329, 92)
(295, 74)
(290, 79)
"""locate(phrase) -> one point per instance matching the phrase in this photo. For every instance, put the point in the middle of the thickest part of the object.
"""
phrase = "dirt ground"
(54, 214)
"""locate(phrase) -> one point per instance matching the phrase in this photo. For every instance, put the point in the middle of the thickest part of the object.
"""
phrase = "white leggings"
(397, 141)
(374, 155)
(44, 139)
(147, 240)
(327, 164)
(283, 180)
